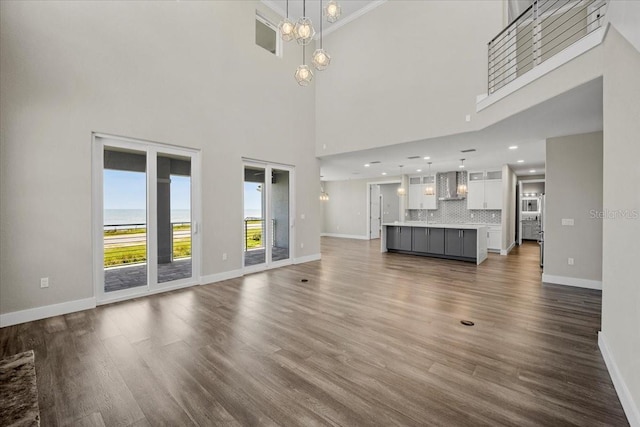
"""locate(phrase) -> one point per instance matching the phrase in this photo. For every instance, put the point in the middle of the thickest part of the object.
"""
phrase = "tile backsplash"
(454, 212)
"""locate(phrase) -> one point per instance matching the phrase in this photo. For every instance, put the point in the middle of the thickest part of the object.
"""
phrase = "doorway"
(146, 208)
(267, 221)
(383, 205)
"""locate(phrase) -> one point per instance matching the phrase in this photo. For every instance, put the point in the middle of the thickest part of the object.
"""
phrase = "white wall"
(405, 71)
(621, 236)
(345, 213)
(625, 16)
(573, 191)
(184, 73)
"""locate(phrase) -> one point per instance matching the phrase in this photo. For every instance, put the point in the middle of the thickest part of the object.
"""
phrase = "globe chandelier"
(302, 32)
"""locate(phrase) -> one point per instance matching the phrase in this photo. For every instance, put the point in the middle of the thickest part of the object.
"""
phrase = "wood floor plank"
(368, 339)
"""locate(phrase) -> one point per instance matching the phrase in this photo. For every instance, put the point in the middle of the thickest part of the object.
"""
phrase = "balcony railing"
(544, 29)
(254, 233)
(126, 244)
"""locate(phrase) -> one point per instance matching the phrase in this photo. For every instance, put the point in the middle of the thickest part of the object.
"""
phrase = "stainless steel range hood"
(452, 181)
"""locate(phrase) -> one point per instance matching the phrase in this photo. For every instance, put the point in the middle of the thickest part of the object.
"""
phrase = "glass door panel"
(174, 220)
(255, 235)
(124, 219)
(280, 215)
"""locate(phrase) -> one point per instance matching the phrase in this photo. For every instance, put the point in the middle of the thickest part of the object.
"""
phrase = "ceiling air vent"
(413, 157)
(468, 150)
(374, 162)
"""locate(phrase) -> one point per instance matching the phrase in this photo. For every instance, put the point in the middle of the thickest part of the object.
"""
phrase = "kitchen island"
(464, 242)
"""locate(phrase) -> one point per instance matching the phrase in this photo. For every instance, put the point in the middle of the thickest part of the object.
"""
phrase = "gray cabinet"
(461, 243)
(436, 241)
(453, 242)
(428, 240)
(420, 239)
(469, 243)
(399, 238)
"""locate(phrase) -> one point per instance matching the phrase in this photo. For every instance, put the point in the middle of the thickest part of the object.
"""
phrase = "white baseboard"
(572, 281)
(630, 409)
(43, 312)
(219, 277)
(509, 249)
(308, 258)
(345, 236)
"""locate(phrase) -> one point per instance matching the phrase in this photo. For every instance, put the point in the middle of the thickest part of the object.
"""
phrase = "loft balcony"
(548, 34)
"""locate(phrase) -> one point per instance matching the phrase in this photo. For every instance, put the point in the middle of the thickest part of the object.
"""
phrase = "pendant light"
(462, 186)
(321, 59)
(324, 196)
(286, 27)
(429, 190)
(303, 74)
(332, 11)
(303, 30)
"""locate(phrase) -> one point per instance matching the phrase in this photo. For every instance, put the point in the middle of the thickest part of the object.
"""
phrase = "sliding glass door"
(267, 221)
(145, 224)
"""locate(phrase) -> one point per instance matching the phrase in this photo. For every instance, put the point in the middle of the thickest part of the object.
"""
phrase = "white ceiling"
(351, 9)
(574, 112)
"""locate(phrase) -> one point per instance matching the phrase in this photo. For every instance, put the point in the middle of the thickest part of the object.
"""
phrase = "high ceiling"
(351, 9)
(574, 112)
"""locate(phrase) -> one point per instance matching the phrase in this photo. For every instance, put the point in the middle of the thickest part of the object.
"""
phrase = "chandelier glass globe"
(321, 59)
(303, 75)
(304, 31)
(332, 11)
(286, 29)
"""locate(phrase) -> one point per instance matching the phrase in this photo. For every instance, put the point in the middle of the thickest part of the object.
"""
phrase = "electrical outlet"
(44, 282)
(224, 256)
(431, 214)
(493, 215)
(570, 261)
(301, 216)
(567, 221)
(471, 215)
(301, 245)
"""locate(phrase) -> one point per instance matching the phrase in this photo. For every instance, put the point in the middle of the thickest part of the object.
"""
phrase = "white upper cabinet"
(485, 190)
(417, 198)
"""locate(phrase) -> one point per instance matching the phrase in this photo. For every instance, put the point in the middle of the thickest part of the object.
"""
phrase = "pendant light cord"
(287, 9)
(320, 24)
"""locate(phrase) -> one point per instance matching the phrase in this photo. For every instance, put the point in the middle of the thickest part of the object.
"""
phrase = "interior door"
(374, 211)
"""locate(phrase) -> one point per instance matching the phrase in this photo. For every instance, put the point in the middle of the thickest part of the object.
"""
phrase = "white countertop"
(433, 225)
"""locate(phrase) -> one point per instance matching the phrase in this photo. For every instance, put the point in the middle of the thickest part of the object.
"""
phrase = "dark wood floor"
(370, 339)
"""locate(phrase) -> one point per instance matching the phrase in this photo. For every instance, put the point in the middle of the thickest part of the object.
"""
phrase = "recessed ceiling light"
(384, 173)
(532, 171)
(520, 161)
(418, 170)
(513, 147)
(426, 158)
(366, 165)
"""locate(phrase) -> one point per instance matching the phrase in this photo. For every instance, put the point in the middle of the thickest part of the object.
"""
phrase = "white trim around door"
(152, 151)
